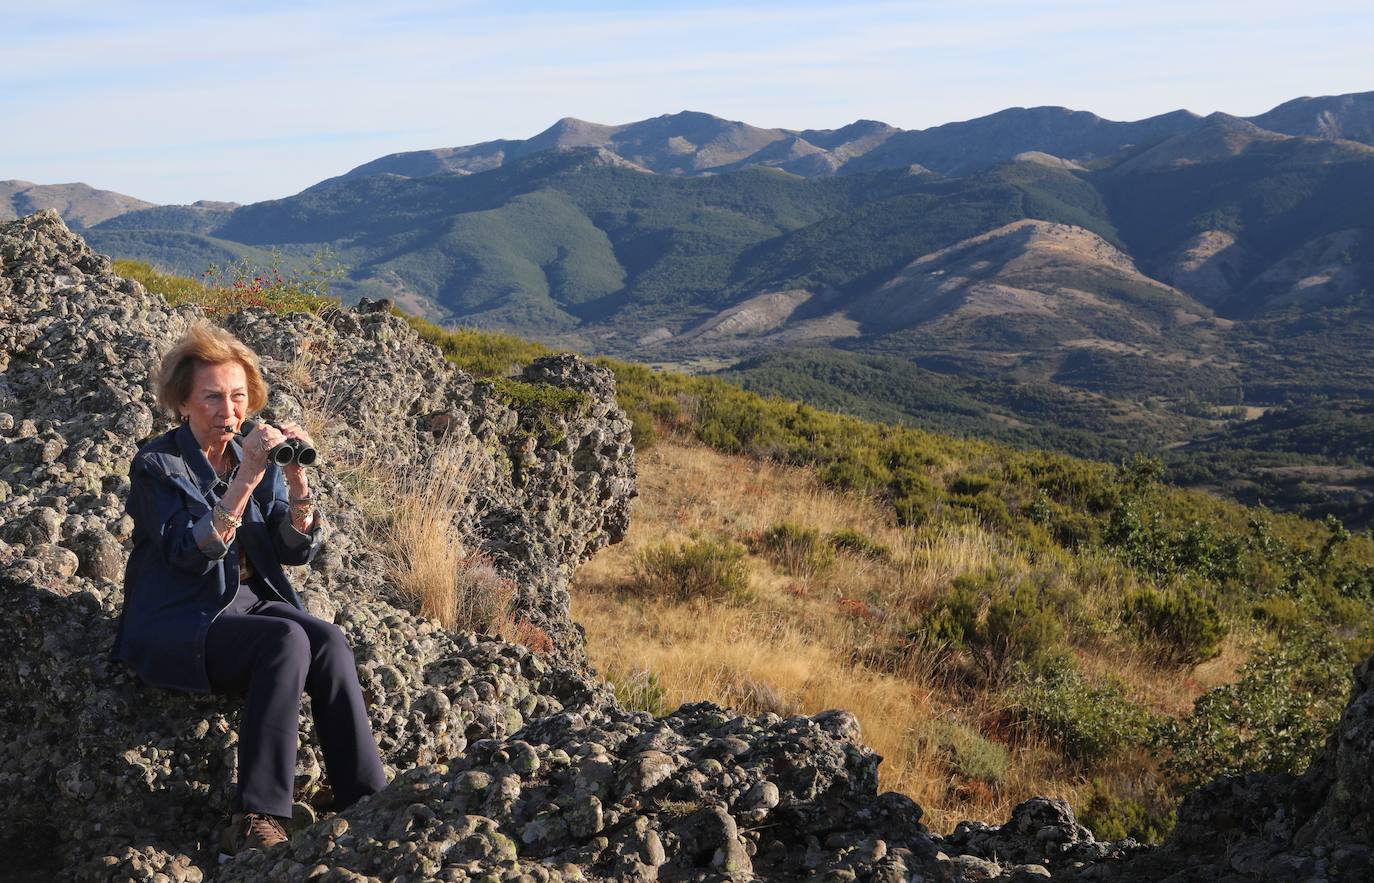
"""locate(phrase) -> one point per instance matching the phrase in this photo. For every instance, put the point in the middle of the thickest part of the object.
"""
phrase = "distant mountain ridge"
(686, 231)
(1350, 117)
(681, 143)
(696, 143)
(691, 143)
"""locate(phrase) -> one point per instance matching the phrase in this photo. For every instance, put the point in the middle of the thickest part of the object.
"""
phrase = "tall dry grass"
(424, 552)
(755, 661)
(413, 520)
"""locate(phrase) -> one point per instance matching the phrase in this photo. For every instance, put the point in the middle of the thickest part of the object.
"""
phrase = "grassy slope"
(791, 645)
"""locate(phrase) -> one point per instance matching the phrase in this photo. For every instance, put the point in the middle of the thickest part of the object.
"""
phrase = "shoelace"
(265, 828)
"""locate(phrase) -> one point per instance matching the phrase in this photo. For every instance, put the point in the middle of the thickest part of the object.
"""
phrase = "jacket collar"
(202, 473)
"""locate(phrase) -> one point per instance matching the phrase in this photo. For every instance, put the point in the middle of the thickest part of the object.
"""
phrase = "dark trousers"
(272, 653)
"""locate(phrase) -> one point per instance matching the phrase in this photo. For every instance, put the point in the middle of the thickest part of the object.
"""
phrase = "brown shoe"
(251, 830)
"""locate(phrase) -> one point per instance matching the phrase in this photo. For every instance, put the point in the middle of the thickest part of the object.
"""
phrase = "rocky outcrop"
(701, 794)
(143, 772)
(506, 763)
(78, 345)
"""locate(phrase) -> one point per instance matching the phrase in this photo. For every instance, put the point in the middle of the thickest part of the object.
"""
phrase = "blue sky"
(243, 101)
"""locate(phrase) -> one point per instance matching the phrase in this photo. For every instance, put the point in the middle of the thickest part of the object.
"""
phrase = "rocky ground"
(508, 764)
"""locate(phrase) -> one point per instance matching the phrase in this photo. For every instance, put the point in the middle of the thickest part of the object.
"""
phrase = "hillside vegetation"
(1003, 621)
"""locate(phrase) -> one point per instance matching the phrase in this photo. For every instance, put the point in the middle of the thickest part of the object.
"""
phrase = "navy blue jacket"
(180, 574)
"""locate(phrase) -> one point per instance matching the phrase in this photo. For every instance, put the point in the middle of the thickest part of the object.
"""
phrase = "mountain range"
(698, 143)
(1071, 280)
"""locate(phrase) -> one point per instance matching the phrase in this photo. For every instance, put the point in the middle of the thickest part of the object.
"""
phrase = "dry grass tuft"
(414, 517)
(522, 631)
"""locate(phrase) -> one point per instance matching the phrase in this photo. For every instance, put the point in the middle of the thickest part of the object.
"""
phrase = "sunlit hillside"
(811, 633)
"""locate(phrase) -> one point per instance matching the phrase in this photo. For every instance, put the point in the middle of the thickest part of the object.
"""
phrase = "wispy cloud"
(272, 97)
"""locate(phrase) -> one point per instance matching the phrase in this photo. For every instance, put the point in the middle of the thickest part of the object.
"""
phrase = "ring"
(265, 446)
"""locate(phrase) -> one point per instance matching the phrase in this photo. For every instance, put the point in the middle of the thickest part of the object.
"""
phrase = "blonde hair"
(206, 344)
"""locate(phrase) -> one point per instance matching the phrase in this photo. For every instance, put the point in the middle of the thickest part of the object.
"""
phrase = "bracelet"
(231, 521)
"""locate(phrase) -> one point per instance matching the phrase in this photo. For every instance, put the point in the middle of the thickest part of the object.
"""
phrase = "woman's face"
(219, 399)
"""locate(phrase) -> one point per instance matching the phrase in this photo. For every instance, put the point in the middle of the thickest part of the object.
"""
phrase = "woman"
(207, 606)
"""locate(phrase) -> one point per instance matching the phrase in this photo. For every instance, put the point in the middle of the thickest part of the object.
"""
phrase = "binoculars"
(293, 450)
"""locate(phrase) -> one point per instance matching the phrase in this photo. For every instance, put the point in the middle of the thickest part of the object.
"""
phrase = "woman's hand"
(256, 446)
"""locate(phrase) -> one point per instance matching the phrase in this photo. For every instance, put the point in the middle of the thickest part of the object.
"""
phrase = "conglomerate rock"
(508, 764)
(93, 763)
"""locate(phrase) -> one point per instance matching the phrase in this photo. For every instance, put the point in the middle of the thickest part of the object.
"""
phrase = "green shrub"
(1274, 718)
(859, 543)
(912, 511)
(953, 620)
(912, 495)
(1072, 529)
(992, 510)
(1018, 627)
(1086, 723)
(800, 551)
(1115, 817)
(1336, 609)
(852, 474)
(1040, 509)
(967, 752)
(1187, 627)
(704, 568)
(971, 484)
(1140, 472)
(1146, 541)
(1279, 614)
(643, 433)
